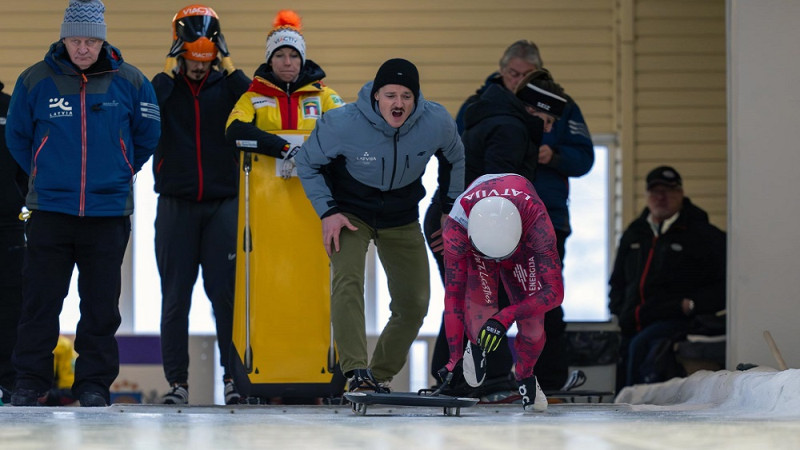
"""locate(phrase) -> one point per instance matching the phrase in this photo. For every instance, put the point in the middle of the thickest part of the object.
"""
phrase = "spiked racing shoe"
(533, 398)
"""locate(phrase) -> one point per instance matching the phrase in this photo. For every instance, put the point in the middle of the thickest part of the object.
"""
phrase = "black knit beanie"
(397, 71)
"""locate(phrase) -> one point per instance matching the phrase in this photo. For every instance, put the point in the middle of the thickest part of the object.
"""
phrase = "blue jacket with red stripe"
(82, 135)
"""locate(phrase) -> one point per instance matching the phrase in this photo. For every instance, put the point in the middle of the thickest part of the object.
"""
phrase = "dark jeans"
(190, 235)
(643, 364)
(551, 368)
(56, 244)
(12, 246)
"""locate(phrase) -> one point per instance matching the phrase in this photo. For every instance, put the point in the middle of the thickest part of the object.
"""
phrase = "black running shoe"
(576, 379)
(362, 380)
(232, 396)
(178, 394)
(26, 397)
(92, 399)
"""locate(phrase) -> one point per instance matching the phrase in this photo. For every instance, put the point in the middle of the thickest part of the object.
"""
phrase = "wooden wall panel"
(679, 107)
(683, 98)
(651, 72)
(696, 152)
(696, 26)
(671, 115)
(455, 43)
(680, 134)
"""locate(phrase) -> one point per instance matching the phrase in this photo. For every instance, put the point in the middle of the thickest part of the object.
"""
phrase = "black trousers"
(56, 244)
(12, 246)
(551, 368)
(190, 235)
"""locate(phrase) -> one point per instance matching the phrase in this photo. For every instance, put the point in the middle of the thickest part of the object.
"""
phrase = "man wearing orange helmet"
(196, 176)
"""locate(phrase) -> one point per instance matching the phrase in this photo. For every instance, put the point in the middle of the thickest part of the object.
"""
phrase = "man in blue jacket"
(81, 123)
(362, 170)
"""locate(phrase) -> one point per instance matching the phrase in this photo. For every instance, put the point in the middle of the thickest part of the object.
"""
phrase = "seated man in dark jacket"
(670, 266)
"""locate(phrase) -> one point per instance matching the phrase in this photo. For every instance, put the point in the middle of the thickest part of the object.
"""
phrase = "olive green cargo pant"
(404, 258)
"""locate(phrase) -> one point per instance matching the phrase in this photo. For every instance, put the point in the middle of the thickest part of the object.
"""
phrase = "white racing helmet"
(494, 227)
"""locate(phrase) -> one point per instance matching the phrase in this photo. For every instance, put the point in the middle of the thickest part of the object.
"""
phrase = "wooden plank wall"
(651, 72)
(455, 43)
(679, 101)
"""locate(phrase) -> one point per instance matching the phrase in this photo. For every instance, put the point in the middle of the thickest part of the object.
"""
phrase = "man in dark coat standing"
(196, 175)
(13, 188)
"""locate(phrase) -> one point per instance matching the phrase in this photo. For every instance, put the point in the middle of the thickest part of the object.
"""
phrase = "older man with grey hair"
(81, 122)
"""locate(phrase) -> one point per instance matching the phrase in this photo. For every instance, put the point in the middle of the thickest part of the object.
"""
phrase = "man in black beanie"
(397, 71)
(362, 170)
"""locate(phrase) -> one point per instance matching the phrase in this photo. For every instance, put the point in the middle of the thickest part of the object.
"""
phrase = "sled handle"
(247, 165)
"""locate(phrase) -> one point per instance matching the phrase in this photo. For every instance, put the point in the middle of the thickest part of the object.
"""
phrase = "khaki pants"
(403, 254)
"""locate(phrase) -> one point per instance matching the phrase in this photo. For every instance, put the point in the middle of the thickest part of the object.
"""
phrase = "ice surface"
(759, 408)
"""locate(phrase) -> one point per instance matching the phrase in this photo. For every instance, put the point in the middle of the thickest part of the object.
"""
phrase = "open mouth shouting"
(395, 102)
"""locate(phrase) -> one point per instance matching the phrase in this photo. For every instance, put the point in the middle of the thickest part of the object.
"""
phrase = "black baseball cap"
(664, 175)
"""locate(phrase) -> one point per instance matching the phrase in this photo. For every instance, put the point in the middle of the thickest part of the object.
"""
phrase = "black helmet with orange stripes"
(198, 27)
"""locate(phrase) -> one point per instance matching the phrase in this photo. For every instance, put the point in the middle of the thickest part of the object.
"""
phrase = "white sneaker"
(529, 387)
(474, 364)
(177, 395)
(232, 396)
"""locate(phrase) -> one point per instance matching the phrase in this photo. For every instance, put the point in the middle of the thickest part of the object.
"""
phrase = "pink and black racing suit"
(531, 275)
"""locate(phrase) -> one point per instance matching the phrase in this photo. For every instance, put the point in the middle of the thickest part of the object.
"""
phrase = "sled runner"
(451, 406)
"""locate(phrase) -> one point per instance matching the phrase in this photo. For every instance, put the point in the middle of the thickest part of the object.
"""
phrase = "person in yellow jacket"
(268, 125)
(287, 93)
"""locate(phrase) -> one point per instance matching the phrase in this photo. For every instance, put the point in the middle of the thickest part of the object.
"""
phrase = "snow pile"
(761, 390)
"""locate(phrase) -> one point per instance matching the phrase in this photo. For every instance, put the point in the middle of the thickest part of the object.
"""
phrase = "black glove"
(171, 66)
(222, 46)
(176, 49)
(490, 335)
(444, 376)
(225, 55)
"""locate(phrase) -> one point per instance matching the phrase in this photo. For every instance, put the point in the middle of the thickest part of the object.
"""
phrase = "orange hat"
(286, 33)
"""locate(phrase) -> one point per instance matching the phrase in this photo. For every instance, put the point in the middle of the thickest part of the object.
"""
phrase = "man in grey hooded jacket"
(362, 169)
